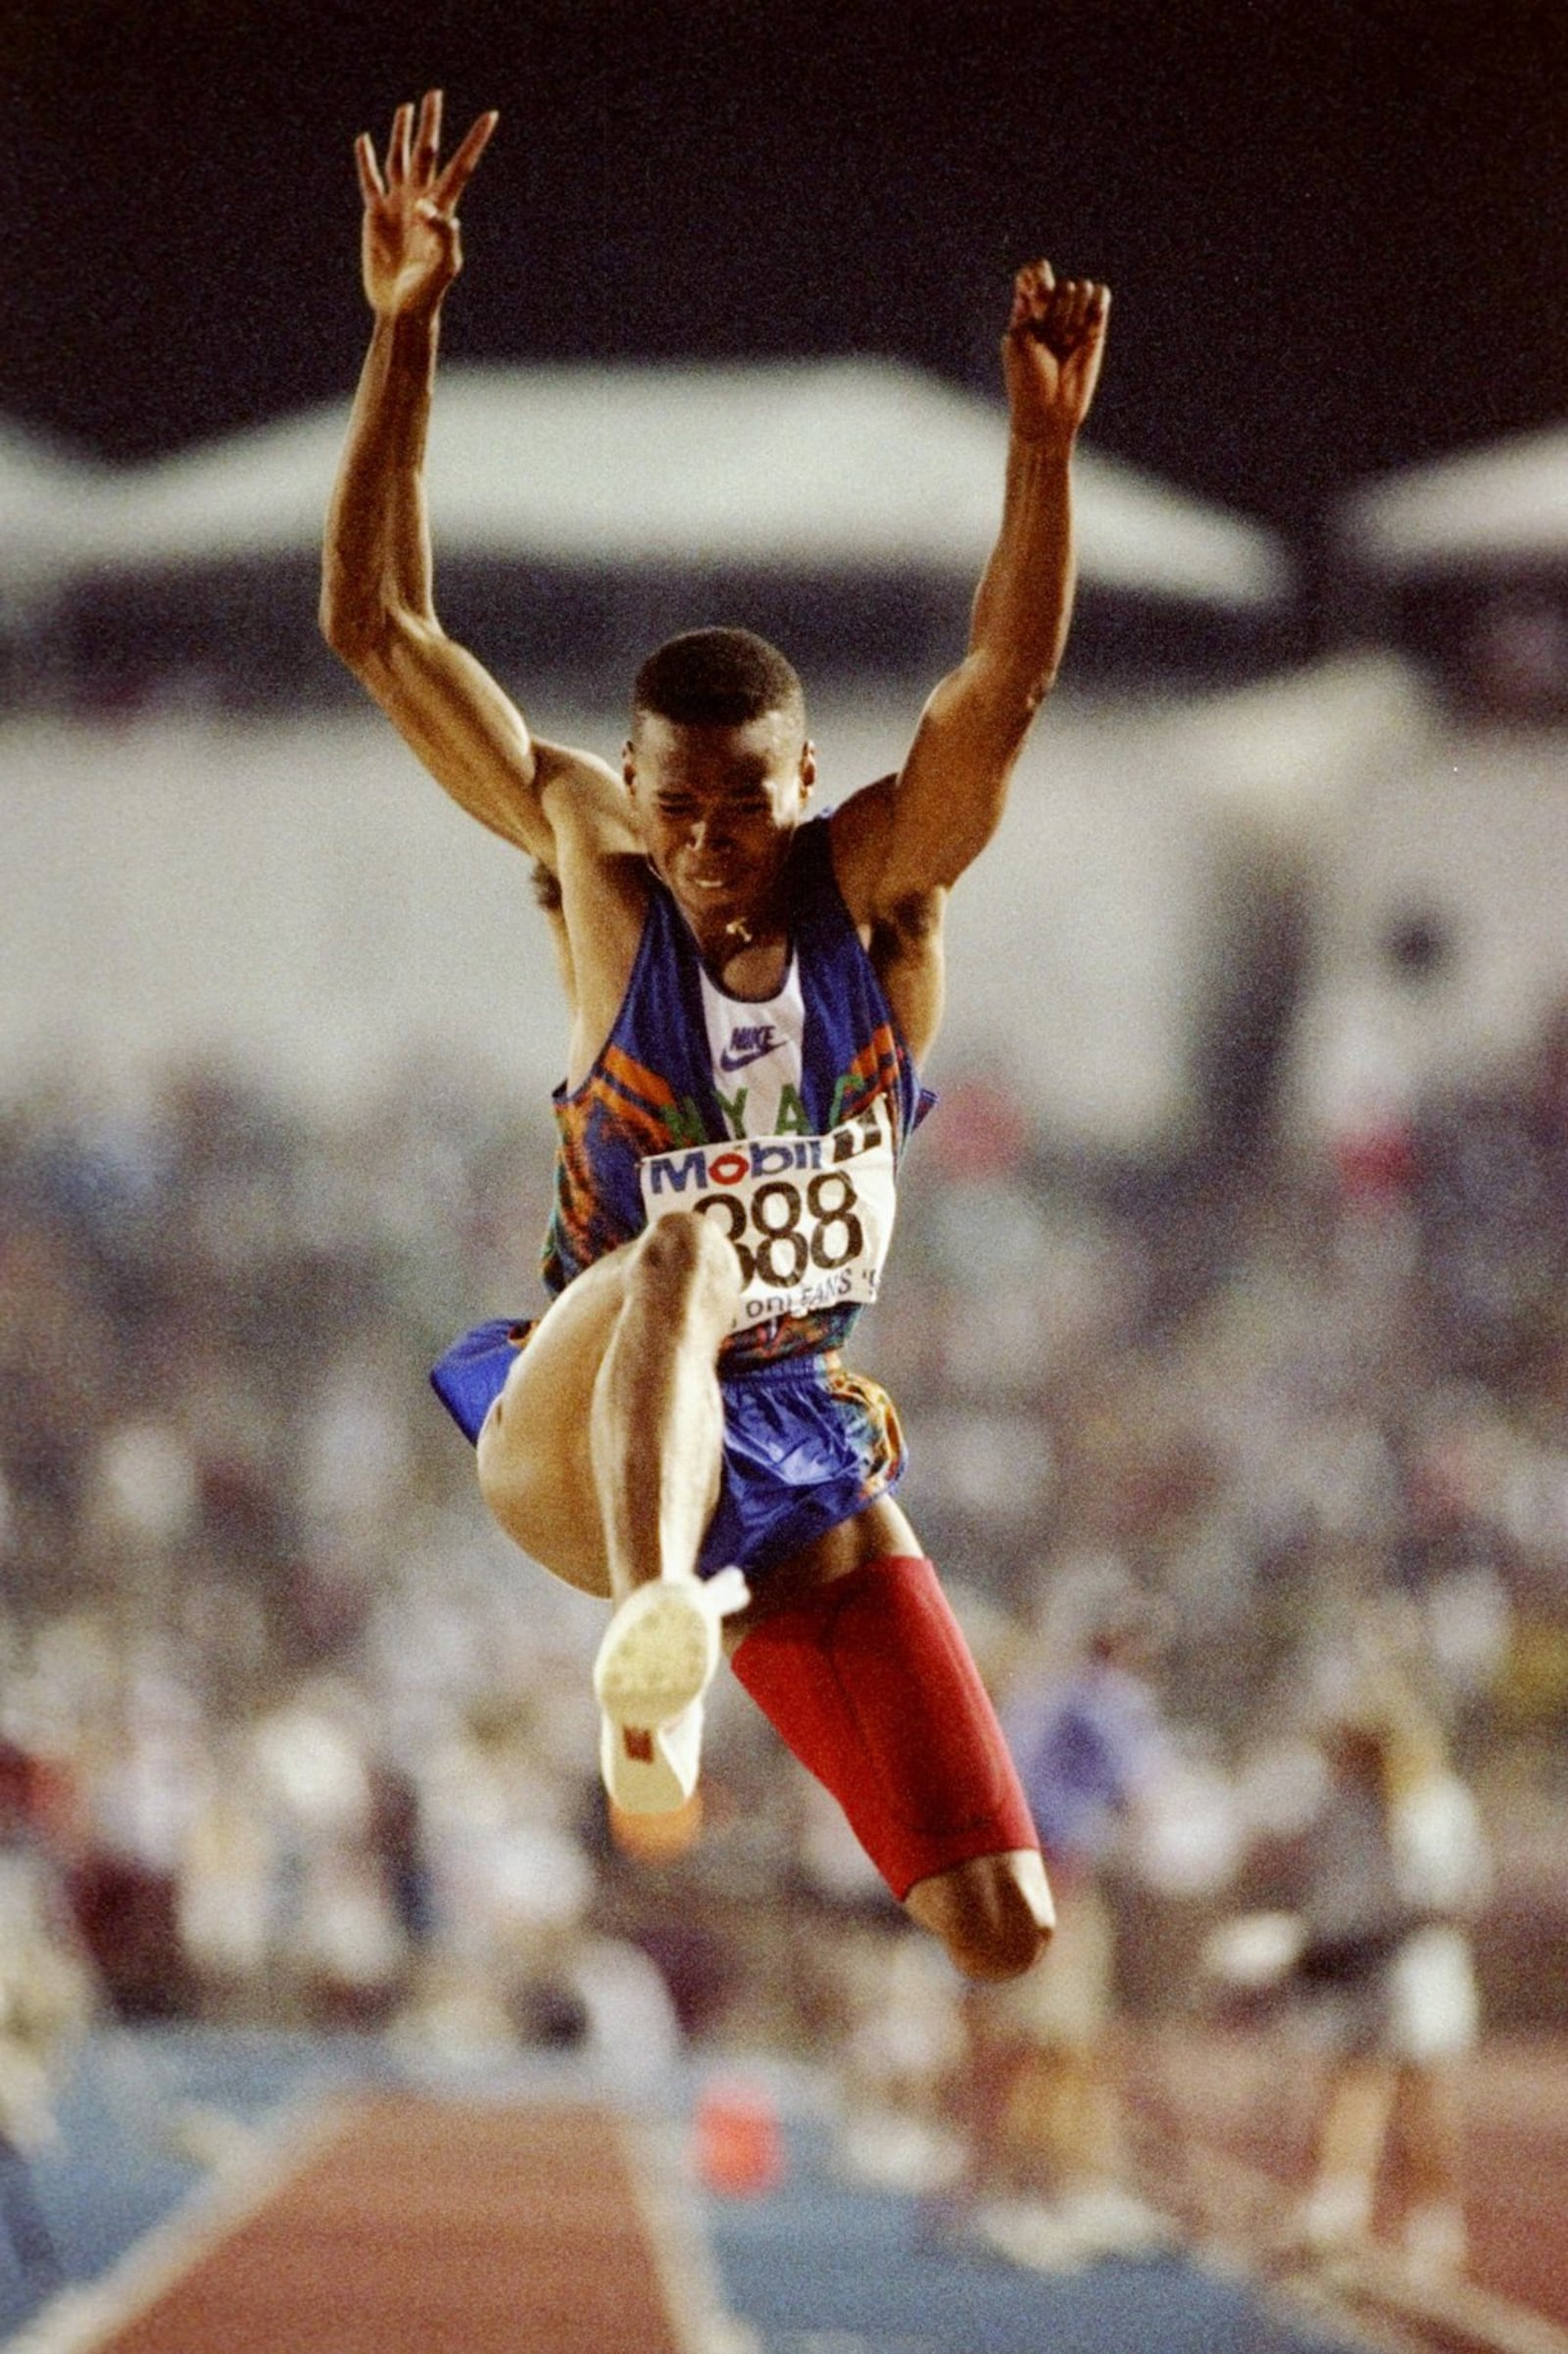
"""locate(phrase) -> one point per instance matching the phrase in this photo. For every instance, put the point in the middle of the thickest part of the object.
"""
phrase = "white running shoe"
(656, 1661)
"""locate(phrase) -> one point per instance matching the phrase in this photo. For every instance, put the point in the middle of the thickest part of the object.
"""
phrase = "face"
(716, 808)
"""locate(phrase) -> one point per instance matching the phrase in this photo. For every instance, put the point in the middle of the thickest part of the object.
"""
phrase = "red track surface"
(427, 2228)
(1250, 2100)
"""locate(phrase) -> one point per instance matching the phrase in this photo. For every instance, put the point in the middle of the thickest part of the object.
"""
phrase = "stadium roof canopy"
(838, 465)
(1506, 503)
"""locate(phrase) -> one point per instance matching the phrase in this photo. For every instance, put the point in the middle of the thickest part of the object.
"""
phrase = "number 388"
(782, 1230)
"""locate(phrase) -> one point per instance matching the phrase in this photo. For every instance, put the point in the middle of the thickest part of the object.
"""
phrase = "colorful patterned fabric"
(653, 1086)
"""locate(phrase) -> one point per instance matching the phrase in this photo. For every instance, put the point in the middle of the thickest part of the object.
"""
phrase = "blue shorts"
(807, 1442)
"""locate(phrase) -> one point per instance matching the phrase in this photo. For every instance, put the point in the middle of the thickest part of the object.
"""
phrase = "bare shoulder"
(583, 799)
(599, 922)
(882, 897)
(591, 870)
(859, 830)
(596, 866)
(899, 921)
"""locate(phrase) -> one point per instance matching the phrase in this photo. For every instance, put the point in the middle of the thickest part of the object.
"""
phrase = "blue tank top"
(652, 1089)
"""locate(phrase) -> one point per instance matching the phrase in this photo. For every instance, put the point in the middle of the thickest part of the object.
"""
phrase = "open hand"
(411, 251)
(1052, 351)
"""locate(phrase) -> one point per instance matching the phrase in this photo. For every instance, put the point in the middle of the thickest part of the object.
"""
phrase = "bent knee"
(494, 1453)
(994, 1914)
(686, 1254)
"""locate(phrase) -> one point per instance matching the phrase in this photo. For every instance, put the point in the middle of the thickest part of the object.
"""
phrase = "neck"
(747, 955)
(721, 937)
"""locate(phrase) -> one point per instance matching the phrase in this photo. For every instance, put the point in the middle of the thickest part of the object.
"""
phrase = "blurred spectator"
(1044, 2108)
(227, 1887)
(48, 1999)
(1374, 1959)
(904, 2047)
(139, 1801)
(335, 1931)
(1397, 1870)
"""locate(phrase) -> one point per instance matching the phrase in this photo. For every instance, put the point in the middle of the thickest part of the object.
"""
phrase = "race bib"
(810, 1217)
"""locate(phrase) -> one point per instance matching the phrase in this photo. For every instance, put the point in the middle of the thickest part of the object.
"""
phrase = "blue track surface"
(817, 2267)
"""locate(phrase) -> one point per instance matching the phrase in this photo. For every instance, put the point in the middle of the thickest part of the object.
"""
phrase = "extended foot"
(656, 1661)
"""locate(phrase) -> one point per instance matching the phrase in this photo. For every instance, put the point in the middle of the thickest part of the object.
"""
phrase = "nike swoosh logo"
(749, 1054)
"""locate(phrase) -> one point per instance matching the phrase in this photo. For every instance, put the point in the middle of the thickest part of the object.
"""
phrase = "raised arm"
(916, 835)
(378, 597)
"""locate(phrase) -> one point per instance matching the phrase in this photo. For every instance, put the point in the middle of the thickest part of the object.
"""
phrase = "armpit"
(911, 923)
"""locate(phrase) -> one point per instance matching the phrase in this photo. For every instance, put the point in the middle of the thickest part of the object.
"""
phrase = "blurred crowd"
(288, 1733)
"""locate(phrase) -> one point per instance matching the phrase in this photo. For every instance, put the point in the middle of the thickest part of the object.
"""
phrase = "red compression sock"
(870, 1682)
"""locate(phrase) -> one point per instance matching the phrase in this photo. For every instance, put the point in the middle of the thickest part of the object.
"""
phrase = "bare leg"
(983, 2093)
(994, 1914)
(1431, 2117)
(655, 1440)
(601, 1456)
(1090, 2144)
(656, 1420)
(1350, 2136)
(1432, 2132)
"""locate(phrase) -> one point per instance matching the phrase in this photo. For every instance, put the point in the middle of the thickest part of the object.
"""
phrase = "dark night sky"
(1337, 230)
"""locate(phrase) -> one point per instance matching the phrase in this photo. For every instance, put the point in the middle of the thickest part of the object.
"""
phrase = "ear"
(807, 768)
(628, 764)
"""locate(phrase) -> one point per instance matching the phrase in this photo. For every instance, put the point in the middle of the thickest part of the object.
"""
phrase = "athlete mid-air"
(752, 993)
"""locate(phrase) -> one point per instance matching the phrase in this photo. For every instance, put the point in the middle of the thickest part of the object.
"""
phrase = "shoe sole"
(658, 1654)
